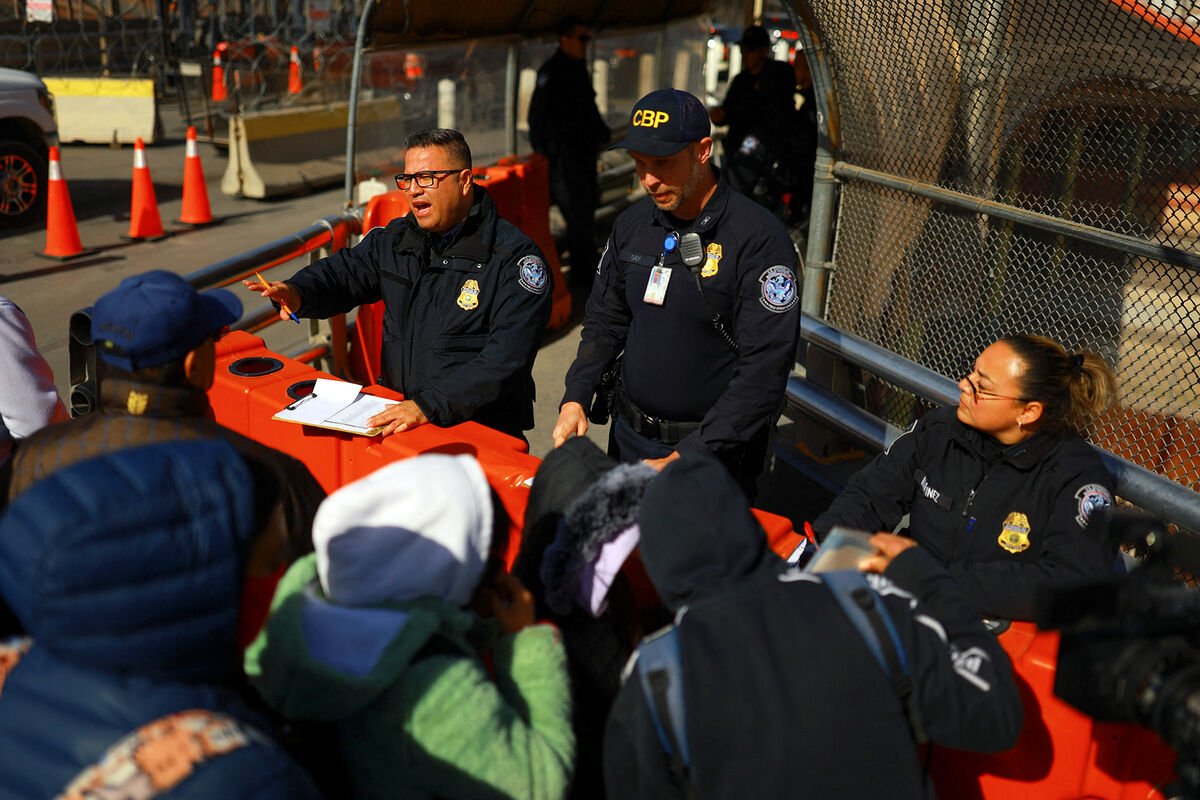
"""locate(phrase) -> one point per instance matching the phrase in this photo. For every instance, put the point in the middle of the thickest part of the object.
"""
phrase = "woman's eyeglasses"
(426, 180)
(978, 394)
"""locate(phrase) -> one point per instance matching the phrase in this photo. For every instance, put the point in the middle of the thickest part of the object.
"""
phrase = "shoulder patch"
(1090, 498)
(779, 292)
(531, 272)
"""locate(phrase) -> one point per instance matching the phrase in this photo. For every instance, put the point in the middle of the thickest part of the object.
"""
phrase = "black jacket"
(564, 121)
(463, 319)
(1004, 520)
(763, 105)
(783, 696)
(676, 365)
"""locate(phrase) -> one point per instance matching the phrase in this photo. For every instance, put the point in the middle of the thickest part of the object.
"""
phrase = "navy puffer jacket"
(125, 570)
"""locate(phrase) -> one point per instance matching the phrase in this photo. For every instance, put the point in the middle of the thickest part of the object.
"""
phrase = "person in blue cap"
(155, 338)
(697, 288)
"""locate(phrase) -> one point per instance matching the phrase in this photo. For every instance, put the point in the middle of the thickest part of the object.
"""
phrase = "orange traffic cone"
(62, 234)
(295, 77)
(218, 78)
(144, 222)
(196, 210)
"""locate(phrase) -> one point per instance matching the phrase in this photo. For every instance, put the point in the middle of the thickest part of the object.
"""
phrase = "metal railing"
(326, 338)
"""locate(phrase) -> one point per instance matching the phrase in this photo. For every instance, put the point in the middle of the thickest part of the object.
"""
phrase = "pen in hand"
(282, 304)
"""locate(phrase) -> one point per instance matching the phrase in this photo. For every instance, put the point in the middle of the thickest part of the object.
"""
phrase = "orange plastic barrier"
(531, 214)
(252, 384)
(1062, 752)
(255, 367)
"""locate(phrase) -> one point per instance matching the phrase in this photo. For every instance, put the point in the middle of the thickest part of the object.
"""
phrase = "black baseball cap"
(754, 37)
(664, 122)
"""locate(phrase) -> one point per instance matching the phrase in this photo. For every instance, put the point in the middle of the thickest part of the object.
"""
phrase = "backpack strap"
(865, 609)
(660, 673)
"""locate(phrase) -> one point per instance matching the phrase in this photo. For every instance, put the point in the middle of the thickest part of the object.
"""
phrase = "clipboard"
(337, 406)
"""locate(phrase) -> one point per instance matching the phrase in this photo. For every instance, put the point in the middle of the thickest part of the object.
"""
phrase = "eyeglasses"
(978, 394)
(426, 180)
(583, 37)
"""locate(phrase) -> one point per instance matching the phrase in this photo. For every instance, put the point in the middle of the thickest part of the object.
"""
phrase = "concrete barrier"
(286, 150)
(105, 110)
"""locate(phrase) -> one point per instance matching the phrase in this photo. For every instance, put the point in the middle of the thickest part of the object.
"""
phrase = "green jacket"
(417, 712)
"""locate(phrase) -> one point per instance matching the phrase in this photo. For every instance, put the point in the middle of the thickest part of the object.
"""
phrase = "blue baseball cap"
(157, 317)
(664, 122)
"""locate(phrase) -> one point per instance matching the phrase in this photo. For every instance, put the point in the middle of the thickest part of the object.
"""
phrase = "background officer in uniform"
(708, 345)
(760, 110)
(467, 296)
(566, 127)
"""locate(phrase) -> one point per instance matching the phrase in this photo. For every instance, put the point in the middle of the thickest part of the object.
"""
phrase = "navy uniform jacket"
(463, 320)
(763, 105)
(1004, 524)
(676, 365)
(563, 118)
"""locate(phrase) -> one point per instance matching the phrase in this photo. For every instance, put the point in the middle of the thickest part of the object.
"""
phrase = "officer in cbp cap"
(696, 293)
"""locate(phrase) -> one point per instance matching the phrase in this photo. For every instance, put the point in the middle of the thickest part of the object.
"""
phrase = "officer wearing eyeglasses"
(466, 296)
(1001, 487)
(566, 126)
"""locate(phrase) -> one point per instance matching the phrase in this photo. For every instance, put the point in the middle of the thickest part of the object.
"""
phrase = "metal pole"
(820, 221)
(512, 88)
(364, 22)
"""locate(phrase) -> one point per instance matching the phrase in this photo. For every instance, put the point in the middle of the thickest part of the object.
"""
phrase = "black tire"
(22, 185)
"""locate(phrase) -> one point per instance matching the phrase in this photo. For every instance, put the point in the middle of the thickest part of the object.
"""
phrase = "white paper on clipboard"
(336, 405)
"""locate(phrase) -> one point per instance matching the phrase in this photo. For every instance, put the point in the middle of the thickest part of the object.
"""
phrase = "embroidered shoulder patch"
(159, 756)
(532, 274)
(1091, 498)
(11, 651)
(779, 292)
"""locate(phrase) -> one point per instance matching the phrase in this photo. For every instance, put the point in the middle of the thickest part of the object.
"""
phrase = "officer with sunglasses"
(1000, 488)
(566, 126)
(466, 296)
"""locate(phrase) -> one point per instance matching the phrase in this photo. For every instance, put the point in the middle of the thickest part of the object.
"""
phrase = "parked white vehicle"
(27, 131)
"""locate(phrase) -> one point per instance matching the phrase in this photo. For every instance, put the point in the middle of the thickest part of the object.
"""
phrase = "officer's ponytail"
(1073, 388)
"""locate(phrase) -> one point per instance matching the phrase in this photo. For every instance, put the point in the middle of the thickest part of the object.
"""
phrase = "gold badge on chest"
(1014, 534)
(468, 295)
(712, 260)
(137, 403)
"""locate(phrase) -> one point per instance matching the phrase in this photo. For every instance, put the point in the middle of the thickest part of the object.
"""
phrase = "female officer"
(1000, 488)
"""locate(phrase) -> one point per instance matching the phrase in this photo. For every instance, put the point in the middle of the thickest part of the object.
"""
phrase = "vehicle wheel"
(22, 185)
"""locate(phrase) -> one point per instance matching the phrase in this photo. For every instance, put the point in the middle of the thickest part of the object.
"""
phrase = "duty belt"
(664, 430)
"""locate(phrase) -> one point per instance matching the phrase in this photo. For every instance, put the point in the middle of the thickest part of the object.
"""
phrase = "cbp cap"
(157, 317)
(664, 122)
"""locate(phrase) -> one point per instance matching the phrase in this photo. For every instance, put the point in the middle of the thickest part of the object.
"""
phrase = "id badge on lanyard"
(660, 276)
(656, 287)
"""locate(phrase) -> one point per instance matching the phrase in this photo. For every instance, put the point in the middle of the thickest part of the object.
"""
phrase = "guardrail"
(1138, 485)
(326, 338)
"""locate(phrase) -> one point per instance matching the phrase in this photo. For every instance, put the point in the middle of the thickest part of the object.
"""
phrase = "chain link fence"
(1080, 120)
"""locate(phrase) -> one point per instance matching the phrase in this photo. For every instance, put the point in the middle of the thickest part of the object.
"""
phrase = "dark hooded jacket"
(597, 647)
(783, 697)
(125, 570)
